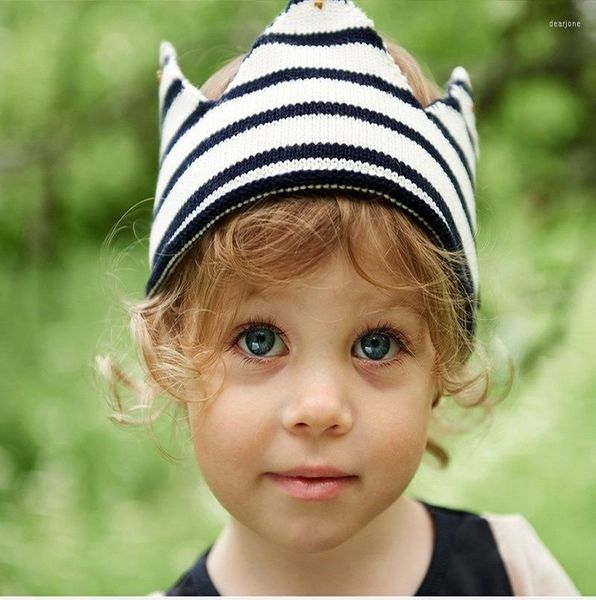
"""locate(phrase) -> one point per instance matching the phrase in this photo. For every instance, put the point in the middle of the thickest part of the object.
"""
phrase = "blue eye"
(375, 345)
(259, 340)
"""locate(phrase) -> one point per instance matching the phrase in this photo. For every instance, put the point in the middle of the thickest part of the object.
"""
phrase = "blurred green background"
(89, 508)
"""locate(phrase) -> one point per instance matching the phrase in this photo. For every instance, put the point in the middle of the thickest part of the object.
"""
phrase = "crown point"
(460, 74)
(166, 52)
(319, 4)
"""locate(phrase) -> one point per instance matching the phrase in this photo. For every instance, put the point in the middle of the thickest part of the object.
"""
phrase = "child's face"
(318, 391)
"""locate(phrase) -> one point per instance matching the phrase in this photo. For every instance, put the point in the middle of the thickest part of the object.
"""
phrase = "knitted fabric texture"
(317, 104)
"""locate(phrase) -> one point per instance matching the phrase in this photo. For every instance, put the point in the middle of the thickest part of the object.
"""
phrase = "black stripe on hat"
(453, 143)
(353, 35)
(194, 117)
(170, 95)
(454, 103)
(465, 86)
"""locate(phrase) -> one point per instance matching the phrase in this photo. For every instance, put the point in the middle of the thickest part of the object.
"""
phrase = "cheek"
(229, 439)
(216, 446)
(399, 433)
(229, 434)
(405, 439)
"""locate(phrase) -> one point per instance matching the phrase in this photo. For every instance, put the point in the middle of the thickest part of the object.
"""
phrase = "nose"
(318, 403)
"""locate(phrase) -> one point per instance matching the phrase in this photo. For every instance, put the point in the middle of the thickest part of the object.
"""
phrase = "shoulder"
(466, 560)
(532, 569)
(487, 554)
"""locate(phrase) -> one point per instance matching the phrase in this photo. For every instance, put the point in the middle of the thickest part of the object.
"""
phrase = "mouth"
(309, 487)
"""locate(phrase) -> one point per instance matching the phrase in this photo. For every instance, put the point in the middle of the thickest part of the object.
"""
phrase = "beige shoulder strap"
(532, 569)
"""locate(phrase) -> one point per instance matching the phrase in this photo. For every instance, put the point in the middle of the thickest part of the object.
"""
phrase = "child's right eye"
(260, 340)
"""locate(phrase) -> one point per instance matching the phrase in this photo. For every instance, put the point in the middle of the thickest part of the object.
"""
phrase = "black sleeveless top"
(465, 561)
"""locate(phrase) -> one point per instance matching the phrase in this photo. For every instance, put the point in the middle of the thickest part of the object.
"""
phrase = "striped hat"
(317, 104)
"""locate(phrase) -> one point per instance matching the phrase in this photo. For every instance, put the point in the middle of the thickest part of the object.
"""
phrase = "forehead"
(338, 282)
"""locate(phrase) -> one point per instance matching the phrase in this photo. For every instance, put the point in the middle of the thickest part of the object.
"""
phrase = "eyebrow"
(399, 304)
(391, 303)
(395, 305)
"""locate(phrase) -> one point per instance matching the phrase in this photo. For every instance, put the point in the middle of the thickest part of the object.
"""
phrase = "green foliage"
(87, 507)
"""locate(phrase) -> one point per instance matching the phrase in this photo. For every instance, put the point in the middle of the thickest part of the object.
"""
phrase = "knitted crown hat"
(318, 103)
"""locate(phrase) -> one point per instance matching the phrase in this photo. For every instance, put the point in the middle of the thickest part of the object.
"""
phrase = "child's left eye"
(375, 345)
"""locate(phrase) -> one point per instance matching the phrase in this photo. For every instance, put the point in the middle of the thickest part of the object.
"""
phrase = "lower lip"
(313, 488)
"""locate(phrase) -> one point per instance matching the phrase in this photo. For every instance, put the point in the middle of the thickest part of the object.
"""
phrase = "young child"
(312, 298)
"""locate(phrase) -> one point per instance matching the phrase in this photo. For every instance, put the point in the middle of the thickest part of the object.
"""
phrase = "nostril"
(306, 427)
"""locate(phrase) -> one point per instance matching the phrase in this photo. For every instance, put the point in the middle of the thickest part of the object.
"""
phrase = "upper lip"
(319, 471)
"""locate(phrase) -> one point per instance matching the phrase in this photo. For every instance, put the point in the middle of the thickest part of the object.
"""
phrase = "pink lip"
(321, 471)
(313, 486)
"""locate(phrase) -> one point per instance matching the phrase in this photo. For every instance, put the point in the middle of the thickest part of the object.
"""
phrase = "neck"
(390, 555)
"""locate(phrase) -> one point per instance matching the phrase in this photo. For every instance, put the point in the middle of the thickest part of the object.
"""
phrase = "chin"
(313, 538)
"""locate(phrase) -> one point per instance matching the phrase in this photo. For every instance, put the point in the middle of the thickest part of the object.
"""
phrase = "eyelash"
(381, 327)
